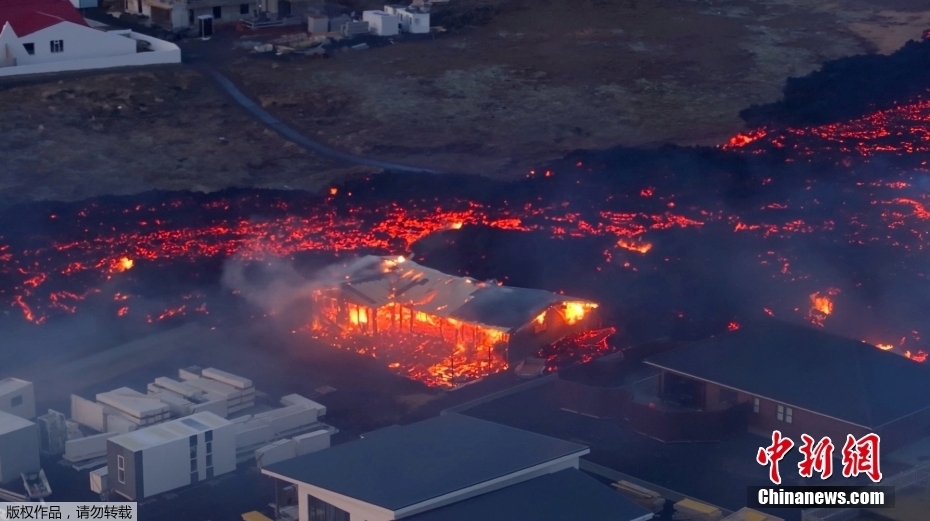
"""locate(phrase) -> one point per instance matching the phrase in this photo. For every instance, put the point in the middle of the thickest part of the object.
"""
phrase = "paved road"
(292, 135)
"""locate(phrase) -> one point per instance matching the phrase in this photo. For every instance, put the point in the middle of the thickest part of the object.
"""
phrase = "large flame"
(575, 312)
(821, 305)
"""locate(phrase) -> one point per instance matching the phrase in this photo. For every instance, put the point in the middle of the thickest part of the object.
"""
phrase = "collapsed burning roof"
(386, 280)
(437, 328)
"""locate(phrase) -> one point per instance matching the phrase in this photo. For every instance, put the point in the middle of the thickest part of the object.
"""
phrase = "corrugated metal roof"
(382, 280)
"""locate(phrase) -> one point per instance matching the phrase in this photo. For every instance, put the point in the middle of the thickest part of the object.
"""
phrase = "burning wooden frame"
(440, 329)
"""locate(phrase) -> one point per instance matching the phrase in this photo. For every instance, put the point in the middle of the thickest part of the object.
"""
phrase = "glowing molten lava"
(732, 326)
(640, 247)
(885, 347)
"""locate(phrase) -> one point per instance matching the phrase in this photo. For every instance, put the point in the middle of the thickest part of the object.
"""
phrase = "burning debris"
(436, 328)
(821, 306)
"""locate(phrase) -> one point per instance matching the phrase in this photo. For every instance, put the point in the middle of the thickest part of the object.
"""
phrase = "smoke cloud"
(274, 285)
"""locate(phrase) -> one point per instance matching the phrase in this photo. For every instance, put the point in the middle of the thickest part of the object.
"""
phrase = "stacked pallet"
(289, 420)
(238, 392)
(134, 406)
(184, 399)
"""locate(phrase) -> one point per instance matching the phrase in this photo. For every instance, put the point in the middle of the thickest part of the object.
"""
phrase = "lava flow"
(901, 130)
(647, 233)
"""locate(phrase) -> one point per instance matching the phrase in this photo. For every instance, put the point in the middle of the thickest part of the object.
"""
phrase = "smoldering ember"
(413, 287)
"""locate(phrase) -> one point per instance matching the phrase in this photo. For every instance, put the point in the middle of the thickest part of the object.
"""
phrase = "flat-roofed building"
(19, 447)
(18, 397)
(170, 455)
(450, 467)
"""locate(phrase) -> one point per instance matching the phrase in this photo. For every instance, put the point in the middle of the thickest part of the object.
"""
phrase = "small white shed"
(381, 23)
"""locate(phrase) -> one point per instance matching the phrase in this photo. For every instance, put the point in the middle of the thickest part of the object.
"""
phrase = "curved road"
(289, 133)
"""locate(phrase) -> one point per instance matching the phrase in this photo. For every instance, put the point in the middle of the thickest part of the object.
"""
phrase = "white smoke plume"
(273, 285)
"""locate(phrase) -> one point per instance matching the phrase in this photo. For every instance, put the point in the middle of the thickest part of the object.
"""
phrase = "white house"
(19, 447)
(41, 36)
(381, 23)
(450, 468)
(170, 455)
(18, 397)
(412, 19)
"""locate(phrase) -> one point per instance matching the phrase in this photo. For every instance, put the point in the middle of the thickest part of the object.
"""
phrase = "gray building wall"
(133, 486)
(19, 452)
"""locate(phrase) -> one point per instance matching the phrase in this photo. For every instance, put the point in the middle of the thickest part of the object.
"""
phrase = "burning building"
(441, 329)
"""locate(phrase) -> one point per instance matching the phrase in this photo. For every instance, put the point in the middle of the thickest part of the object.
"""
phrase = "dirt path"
(294, 136)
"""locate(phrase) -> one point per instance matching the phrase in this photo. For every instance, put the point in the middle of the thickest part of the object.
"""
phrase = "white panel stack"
(177, 404)
(176, 387)
(136, 407)
(253, 433)
(212, 403)
(238, 392)
(87, 448)
(312, 441)
(88, 413)
(296, 399)
(189, 372)
(276, 452)
(116, 424)
(98, 480)
(289, 420)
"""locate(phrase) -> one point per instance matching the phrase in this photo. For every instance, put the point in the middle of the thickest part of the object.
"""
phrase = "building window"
(209, 447)
(755, 405)
(121, 469)
(209, 460)
(57, 45)
(30, 48)
(217, 12)
(243, 8)
(784, 414)
(320, 510)
(17, 400)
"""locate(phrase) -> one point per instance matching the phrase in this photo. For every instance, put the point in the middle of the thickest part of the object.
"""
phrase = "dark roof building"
(803, 372)
(399, 472)
(566, 494)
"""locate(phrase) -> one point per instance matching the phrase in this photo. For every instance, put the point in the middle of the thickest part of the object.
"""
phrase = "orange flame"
(821, 305)
(122, 264)
(576, 311)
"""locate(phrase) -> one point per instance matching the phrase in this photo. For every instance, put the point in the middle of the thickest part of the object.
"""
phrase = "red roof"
(29, 16)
